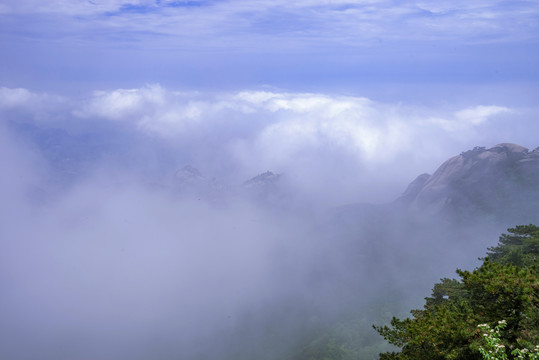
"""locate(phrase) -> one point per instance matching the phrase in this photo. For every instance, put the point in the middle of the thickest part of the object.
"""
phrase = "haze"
(107, 252)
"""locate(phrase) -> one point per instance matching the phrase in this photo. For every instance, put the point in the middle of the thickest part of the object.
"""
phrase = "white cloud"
(347, 139)
(479, 114)
(67, 7)
(468, 118)
(121, 103)
(151, 109)
(14, 97)
(315, 119)
(41, 105)
(285, 122)
(297, 24)
(294, 120)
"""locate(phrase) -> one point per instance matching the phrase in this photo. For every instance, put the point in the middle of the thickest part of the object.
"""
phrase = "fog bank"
(112, 248)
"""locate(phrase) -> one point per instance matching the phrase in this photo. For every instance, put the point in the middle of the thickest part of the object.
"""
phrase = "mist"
(112, 248)
(218, 180)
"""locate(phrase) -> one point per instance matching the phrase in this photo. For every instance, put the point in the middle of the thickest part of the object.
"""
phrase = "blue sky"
(303, 45)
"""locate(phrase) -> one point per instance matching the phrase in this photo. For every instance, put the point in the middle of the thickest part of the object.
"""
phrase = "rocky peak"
(267, 179)
(480, 180)
(266, 188)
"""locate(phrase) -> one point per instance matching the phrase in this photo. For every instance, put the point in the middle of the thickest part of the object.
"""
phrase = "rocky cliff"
(501, 182)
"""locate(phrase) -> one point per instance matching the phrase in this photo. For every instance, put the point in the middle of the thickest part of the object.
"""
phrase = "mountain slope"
(501, 182)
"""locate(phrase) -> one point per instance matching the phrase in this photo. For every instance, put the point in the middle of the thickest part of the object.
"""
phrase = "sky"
(103, 101)
(340, 46)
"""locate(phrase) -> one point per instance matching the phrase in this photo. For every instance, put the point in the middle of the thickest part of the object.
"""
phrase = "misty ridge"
(148, 223)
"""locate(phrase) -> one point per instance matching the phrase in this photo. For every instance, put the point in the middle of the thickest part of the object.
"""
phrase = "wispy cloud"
(466, 119)
(288, 44)
(345, 22)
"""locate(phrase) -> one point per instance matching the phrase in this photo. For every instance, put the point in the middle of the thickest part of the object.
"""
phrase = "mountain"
(440, 220)
(469, 199)
(267, 180)
(501, 182)
(189, 181)
(264, 188)
(69, 155)
(74, 154)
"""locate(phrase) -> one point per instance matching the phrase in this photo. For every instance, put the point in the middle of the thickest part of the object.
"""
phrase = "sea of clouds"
(111, 263)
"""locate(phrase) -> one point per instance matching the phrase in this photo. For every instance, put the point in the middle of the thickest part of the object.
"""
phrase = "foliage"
(476, 150)
(493, 349)
(506, 286)
(448, 288)
(520, 247)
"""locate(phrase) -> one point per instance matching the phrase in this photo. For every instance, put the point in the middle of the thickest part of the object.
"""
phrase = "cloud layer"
(320, 21)
(321, 141)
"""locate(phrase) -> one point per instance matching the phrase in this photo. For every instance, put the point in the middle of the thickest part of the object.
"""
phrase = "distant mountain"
(266, 187)
(69, 155)
(189, 181)
(264, 181)
(75, 155)
(501, 182)
(188, 177)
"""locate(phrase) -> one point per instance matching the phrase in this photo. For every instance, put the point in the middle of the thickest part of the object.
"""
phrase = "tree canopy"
(505, 287)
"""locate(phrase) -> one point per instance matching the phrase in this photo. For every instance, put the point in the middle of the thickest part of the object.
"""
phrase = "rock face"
(501, 181)
(414, 188)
